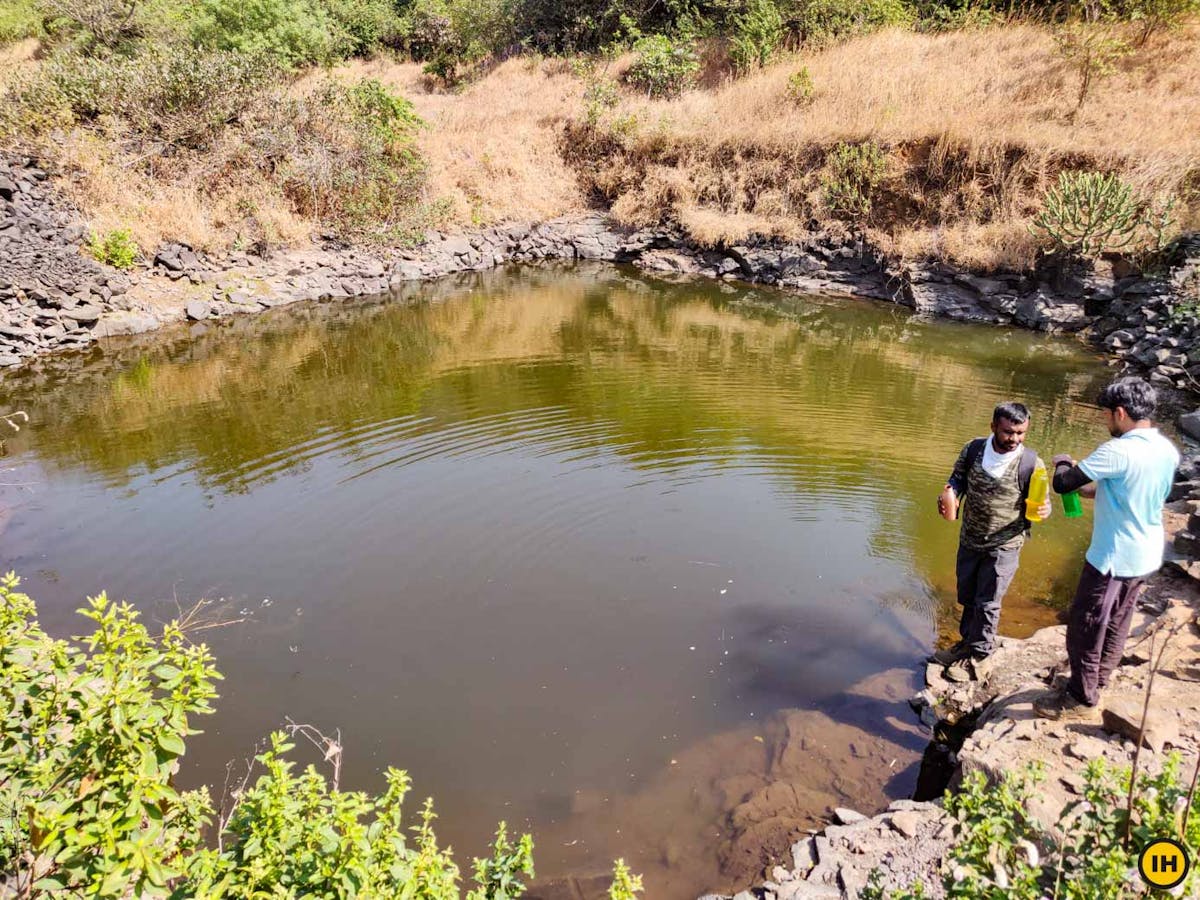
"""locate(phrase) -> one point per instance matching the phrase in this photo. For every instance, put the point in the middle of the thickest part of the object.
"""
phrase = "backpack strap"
(1025, 470)
(974, 454)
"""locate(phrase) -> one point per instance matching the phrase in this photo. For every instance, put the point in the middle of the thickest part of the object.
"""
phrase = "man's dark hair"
(1137, 397)
(1017, 413)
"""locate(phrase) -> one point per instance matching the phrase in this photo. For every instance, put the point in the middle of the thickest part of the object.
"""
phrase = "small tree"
(853, 173)
(1093, 51)
(1153, 16)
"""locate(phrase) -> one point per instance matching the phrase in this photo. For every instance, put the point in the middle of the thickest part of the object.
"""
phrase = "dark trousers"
(983, 577)
(1096, 631)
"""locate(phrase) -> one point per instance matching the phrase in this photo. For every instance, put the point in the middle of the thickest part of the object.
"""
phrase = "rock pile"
(1155, 324)
(51, 296)
(908, 841)
(1184, 553)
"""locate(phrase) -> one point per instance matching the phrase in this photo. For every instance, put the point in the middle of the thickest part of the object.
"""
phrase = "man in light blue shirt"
(1130, 477)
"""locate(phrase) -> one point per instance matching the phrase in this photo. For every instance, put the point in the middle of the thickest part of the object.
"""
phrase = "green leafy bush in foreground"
(1003, 853)
(91, 732)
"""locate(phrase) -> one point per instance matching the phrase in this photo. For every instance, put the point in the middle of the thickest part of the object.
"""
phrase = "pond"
(644, 567)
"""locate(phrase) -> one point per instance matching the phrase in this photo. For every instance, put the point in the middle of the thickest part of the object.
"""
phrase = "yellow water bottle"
(1039, 490)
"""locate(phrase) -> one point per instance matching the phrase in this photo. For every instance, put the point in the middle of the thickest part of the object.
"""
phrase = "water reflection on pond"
(567, 543)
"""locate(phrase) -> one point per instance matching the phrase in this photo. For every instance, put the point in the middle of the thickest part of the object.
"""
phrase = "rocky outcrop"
(51, 297)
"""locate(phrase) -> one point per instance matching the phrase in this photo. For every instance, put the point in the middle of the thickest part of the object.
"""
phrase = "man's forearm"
(1070, 478)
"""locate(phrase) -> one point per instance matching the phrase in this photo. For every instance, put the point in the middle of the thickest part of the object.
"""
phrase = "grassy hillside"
(937, 143)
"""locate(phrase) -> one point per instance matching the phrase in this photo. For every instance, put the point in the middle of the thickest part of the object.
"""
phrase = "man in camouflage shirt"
(992, 478)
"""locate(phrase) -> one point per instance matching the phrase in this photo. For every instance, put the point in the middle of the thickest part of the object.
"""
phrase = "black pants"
(983, 577)
(1097, 629)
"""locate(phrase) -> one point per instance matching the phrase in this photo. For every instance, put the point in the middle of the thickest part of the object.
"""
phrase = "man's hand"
(1045, 509)
(948, 504)
(1063, 458)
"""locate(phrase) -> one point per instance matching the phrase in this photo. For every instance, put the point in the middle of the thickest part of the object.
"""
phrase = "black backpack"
(1025, 466)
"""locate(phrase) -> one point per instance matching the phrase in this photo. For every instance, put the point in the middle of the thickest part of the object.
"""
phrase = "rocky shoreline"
(54, 297)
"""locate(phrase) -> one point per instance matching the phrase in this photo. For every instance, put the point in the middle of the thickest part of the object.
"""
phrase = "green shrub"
(757, 34)
(823, 21)
(117, 248)
(19, 19)
(1088, 213)
(89, 742)
(578, 26)
(363, 26)
(498, 877)
(178, 94)
(800, 87)
(600, 96)
(294, 32)
(663, 67)
(450, 36)
(346, 154)
(937, 16)
(1002, 852)
(92, 731)
(853, 173)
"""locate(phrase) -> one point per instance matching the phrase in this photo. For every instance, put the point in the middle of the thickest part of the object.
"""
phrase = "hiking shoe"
(968, 668)
(1063, 707)
(948, 655)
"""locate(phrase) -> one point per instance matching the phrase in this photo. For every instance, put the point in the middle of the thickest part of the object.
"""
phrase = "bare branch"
(331, 748)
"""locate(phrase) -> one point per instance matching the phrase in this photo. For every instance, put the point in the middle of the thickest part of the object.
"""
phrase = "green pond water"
(543, 536)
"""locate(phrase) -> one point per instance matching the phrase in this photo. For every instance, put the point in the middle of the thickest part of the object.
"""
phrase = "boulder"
(1124, 717)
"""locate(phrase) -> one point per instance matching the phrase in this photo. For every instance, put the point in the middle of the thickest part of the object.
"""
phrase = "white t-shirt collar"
(995, 463)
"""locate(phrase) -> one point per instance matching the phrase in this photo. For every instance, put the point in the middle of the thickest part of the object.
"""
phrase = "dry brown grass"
(977, 124)
(493, 147)
(114, 193)
(16, 59)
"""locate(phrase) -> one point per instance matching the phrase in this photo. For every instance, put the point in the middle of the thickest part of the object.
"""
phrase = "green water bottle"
(1072, 507)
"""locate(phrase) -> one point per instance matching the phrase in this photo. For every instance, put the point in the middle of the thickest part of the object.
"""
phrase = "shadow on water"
(643, 567)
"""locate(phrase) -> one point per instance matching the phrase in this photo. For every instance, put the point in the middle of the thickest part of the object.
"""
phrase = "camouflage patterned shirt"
(993, 510)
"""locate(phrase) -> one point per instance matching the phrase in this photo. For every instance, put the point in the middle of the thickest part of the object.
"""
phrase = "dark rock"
(1188, 544)
(1189, 424)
